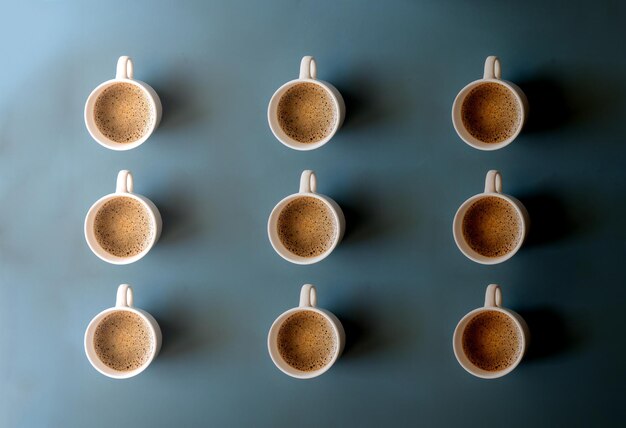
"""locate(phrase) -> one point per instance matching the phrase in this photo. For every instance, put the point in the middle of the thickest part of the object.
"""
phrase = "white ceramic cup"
(308, 188)
(124, 74)
(124, 302)
(308, 302)
(493, 187)
(492, 74)
(124, 188)
(493, 302)
(308, 74)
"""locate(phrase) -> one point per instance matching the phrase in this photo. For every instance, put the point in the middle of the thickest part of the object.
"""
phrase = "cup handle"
(493, 296)
(308, 296)
(493, 182)
(124, 68)
(308, 68)
(308, 182)
(124, 182)
(124, 296)
(492, 68)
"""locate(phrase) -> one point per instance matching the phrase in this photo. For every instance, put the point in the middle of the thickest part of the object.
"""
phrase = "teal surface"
(397, 167)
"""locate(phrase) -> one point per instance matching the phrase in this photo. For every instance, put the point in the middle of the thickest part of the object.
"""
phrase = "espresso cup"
(123, 75)
(336, 109)
(489, 342)
(319, 334)
(124, 189)
(506, 124)
(143, 348)
(490, 242)
(317, 245)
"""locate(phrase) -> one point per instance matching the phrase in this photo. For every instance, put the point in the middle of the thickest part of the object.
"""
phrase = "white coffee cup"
(124, 302)
(492, 74)
(493, 302)
(308, 74)
(124, 74)
(308, 302)
(493, 188)
(308, 188)
(124, 188)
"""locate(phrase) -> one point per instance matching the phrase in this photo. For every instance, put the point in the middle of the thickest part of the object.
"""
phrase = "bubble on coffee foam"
(491, 113)
(306, 227)
(124, 113)
(123, 227)
(307, 113)
(123, 341)
(492, 341)
(306, 341)
(492, 227)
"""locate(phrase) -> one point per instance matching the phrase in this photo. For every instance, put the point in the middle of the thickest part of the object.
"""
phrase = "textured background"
(398, 169)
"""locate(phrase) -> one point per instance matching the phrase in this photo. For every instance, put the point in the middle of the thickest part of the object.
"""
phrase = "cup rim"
(92, 128)
(278, 360)
(90, 349)
(93, 244)
(278, 246)
(457, 345)
(278, 131)
(462, 132)
(463, 246)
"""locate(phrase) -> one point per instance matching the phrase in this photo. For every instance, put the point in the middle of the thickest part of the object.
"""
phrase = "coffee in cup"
(307, 341)
(490, 227)
(305, 113)
(122, 227)
(121, 113)
(305, 227)
(124, 113)
(122, 341)
(490, 341)
(304, 342)
(489, 113)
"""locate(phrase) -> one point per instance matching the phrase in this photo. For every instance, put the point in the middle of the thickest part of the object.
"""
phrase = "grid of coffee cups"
(305, 227)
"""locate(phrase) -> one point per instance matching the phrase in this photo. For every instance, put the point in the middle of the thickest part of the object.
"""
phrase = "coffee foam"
(307, 113)
(307, 341)
(306, 227)
(492, 226)
(123, 227)
(123, 113)
(123, 341)
(492, 341)
(491, 113)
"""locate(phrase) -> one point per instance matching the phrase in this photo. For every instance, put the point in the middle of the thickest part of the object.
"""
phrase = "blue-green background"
(397, 167)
